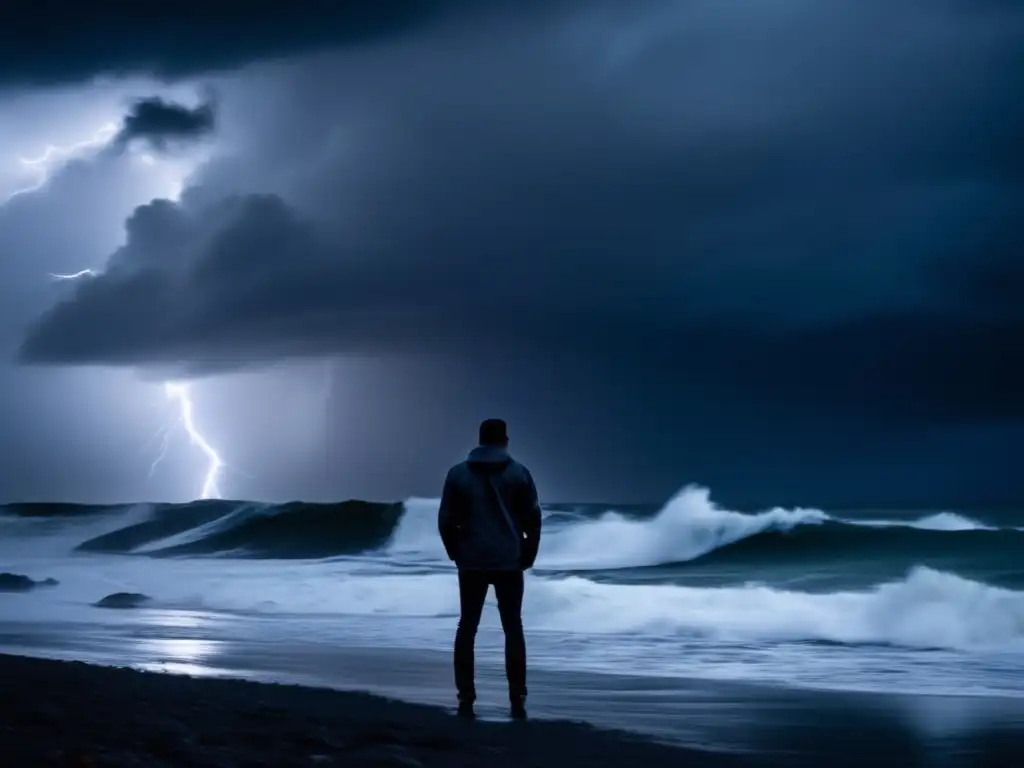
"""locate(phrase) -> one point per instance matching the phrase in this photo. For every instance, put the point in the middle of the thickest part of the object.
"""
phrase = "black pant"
(508, 589)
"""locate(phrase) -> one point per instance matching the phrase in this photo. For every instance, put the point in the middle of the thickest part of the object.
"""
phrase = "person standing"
(490, 524)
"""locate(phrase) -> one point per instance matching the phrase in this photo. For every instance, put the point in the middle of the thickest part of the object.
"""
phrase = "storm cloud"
(183, 38)
(829, 211)
(771, 248)
(159, 122)
(828, 222)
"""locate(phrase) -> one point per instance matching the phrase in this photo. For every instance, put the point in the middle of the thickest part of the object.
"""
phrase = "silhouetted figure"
(490, 524)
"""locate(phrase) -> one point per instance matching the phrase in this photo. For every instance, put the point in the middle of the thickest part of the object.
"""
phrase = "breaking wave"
(688, 528)
(296, 530)
(360, 558)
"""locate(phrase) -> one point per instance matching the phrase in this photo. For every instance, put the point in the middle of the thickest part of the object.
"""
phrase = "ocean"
(930, 601)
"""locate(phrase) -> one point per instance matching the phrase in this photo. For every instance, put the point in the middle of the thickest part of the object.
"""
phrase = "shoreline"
(113, 713)
(72, 713)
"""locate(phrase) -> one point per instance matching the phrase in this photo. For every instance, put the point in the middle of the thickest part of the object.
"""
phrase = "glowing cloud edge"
(54, 154)
(178, 392)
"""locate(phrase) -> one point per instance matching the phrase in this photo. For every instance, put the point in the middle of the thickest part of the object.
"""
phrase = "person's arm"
(531, 522)
(448, 517)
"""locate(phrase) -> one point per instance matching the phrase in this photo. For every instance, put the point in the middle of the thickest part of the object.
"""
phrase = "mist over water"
(795, 595)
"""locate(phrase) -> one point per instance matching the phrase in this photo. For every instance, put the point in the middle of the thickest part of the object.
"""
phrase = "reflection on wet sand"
(708, 714)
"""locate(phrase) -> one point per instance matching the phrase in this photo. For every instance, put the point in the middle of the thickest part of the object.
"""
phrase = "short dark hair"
(493, 432)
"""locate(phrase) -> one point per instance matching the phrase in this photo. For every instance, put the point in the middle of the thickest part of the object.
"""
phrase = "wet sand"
(70, 713)
(117, 715)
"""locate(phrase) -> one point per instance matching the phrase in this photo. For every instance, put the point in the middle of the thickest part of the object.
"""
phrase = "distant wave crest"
(295, 530)
(691, 527)
(687, 528)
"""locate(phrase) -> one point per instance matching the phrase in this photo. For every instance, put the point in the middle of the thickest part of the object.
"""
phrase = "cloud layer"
(185, 38)
(159, 122)
(819, 198)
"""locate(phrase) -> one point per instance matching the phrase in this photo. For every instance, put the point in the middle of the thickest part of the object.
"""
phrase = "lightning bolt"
(177, 392)
(180, 393)
(42, 166)
(164, 433)
(75, 275)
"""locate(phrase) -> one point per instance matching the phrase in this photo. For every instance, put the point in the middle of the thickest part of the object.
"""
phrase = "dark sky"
(770, 248)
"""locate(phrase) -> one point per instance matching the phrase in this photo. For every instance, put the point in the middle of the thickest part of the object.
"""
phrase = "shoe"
(466, 710)
(517, 708)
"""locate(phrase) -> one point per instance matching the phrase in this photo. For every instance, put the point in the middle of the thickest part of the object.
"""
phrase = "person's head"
(494, 432)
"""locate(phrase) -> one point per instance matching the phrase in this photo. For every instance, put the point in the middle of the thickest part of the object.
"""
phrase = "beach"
(72, 713)
(227, 633)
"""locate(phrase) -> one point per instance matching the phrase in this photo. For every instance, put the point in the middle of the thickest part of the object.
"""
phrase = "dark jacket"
(490, 517)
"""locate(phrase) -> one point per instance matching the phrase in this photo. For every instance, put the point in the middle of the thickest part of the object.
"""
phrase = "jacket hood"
(488, 458)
